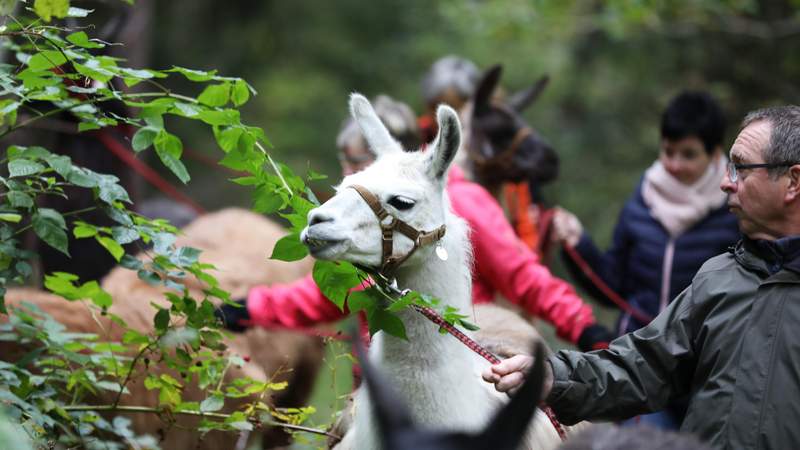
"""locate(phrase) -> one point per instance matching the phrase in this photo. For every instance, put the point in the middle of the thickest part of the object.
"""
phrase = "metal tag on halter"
(441, 253)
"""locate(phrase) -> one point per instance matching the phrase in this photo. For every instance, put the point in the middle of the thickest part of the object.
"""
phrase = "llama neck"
(449, 281)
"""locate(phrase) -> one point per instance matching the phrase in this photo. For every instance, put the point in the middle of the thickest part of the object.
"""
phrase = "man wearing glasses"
(730, 340)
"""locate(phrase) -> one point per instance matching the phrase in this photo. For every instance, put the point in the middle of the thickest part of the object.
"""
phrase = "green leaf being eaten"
(289, 248)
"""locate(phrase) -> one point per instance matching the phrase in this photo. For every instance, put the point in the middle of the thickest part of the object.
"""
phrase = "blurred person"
(450, 80)
(502, 264)
(675, 220)
(729, 341)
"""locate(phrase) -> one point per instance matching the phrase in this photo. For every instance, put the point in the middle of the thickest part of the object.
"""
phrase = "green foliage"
(289, 248)
(335, 279)
(52, 389)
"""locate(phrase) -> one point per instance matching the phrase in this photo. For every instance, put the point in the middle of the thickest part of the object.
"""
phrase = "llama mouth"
(320, 246)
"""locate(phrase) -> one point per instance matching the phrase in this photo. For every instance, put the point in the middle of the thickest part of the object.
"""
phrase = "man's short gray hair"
(784, 141)
(450, 72)
(398, 118)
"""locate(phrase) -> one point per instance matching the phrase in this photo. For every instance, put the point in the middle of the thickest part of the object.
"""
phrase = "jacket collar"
(770, 256)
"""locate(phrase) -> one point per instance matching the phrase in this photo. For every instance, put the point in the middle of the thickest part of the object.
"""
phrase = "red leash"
(487, 355)
(603, 287)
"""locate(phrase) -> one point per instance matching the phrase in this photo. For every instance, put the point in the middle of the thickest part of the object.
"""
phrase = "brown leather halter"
(502, 159)
(389, 262)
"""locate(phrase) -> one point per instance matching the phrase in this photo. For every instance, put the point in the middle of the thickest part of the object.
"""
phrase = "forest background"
(613, 66)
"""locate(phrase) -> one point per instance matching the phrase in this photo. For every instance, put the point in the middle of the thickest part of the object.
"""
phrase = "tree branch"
(222, 416)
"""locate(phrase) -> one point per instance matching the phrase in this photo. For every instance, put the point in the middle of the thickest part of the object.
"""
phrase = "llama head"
(408, 185)
(503, 146)
(505, 431)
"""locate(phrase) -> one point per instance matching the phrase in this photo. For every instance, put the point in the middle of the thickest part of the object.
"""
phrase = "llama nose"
(316, 216)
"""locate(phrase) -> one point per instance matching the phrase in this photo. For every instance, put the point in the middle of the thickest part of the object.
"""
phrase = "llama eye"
(401, 203)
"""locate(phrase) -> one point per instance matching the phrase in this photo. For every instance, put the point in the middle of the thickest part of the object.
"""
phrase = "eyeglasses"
(733, 168)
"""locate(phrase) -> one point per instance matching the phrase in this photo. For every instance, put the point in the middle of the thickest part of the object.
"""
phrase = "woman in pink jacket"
(502, 263)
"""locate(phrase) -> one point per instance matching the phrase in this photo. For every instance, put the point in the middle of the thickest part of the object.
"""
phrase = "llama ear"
(374, 131)
(486, 87)
(508, 426)
(523, 99)
(447, 141)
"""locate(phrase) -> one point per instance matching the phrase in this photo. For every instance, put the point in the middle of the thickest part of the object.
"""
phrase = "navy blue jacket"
(634, 264)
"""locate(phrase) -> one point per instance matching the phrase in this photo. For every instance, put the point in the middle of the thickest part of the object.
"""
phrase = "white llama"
(437, 376)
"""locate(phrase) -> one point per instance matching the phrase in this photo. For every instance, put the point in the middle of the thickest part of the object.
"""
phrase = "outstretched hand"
(509, 374)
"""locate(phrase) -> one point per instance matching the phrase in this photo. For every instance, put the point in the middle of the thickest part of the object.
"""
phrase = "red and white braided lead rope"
(434, 317)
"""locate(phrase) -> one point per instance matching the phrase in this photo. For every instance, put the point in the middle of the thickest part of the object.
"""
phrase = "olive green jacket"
(731, 341)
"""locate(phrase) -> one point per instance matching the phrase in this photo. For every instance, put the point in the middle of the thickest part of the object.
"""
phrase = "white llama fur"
(437, 376)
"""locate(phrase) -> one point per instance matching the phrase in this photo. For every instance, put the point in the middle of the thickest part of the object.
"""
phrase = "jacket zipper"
(666, 274)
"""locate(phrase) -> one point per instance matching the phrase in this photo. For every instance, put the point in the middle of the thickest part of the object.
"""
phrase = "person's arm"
(640, 372)
(513, 269)
(294, 305)
(611, 266)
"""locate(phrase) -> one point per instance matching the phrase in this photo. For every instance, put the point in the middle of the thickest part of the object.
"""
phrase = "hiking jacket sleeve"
(639, 372)
(295, 305)
(511, 268)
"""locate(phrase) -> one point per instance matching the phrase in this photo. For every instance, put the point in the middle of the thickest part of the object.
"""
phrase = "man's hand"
(508, 375)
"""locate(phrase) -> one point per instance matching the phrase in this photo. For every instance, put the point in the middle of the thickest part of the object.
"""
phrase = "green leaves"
(20, 199)
(63, 284)
(10, 217)
(82, 40)
(46, 60)
(380, 319)
(240, 93)
(49, 225)
(100, 69)
(144, 138)
(47, 9)
(23, 167)
(212, 403)
(371, 302)
(194, 75)
(215, 95)
(169, 148)
(289, 248)
(60, 66)
(161, 320)
(112, 246)
(335, 279)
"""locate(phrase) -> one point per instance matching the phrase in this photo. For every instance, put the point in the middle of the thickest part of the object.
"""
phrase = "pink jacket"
(502, 264)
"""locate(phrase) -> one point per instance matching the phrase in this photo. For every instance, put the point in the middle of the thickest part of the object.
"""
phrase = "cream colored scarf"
(678, 206)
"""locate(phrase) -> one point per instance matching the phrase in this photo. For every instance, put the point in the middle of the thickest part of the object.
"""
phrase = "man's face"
(685, 159)
(755, 198)
(355, 157)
